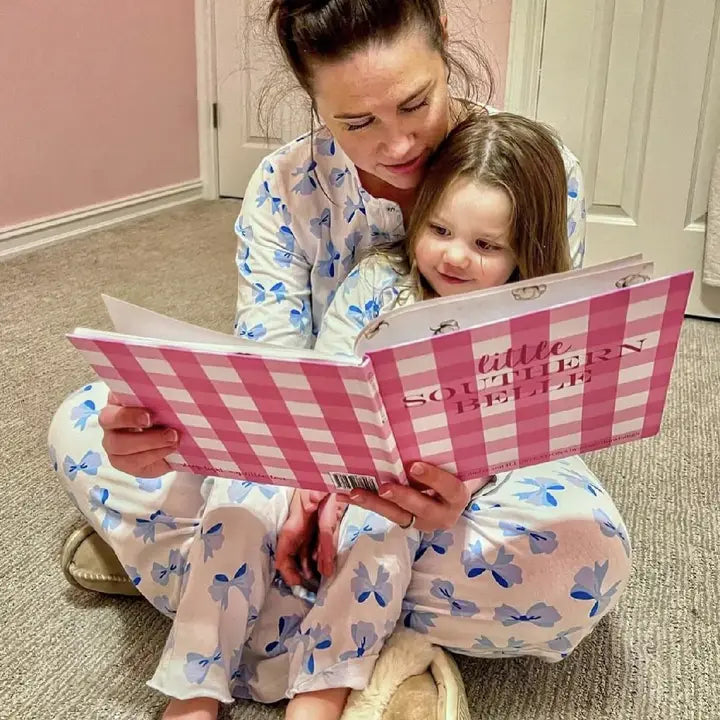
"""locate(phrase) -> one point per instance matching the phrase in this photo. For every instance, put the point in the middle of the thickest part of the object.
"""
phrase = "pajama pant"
(538, 557)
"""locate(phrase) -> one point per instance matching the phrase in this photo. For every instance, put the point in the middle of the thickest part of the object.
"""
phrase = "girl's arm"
(367, 292)
(273, 301)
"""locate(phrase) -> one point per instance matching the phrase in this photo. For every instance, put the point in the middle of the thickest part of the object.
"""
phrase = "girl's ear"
(444, 22)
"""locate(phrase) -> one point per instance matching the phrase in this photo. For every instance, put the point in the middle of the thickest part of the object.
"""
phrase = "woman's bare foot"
(196, 709)
(318, 705)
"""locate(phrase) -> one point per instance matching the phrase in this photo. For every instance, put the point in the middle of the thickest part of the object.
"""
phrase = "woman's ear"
(444, 23)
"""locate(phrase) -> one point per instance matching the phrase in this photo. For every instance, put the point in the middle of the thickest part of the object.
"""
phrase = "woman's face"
(465, 243)
(387, 106)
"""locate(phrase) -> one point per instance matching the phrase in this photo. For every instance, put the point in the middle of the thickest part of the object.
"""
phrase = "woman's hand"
(437, 505)
(132, 444)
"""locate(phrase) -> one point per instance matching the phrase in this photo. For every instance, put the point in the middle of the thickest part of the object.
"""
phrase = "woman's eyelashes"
(415, 108)
(369, 121)
(365, 124)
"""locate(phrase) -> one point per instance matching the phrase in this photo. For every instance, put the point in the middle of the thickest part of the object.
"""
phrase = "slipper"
(88, 562)
(412, 680)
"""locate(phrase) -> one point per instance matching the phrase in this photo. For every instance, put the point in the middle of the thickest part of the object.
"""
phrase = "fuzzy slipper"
(412, 680)
(89, 562)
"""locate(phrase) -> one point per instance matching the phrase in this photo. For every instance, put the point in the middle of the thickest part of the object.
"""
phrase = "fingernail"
(385, 491)
(145, 420)
(355, 496)
(171, 436)
(417, 469)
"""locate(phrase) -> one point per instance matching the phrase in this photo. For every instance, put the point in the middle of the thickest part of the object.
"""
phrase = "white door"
(633, 86)
(245, 62)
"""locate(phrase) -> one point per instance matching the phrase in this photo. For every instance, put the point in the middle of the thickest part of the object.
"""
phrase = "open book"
(476, 384)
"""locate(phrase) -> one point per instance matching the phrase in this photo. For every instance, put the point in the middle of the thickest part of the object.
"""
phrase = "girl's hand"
(437, 505)
(308, 539)
(132, 444)
(293, 554)
(330, 513)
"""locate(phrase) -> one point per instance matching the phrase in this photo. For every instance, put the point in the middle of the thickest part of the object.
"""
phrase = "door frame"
(527, 37)
(205, 50)
(527, 24)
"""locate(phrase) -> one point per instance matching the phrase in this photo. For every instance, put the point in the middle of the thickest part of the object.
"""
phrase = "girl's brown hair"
(514, 154)
(316, 31)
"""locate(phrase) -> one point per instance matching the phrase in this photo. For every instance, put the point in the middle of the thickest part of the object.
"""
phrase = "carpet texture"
(71, 654)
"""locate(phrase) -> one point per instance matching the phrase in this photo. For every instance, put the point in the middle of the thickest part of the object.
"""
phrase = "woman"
(377, 72)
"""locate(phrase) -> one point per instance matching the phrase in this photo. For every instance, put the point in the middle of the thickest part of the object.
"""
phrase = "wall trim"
(527, 33)
(34, 234)
(206, 96)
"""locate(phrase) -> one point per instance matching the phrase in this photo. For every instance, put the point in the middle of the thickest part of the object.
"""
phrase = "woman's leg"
(337, 644)
(149, 522)
(195, 547)
(531, 567)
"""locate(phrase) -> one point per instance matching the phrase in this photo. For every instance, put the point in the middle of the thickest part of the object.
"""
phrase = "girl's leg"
(229, 569)
(318, 704)
(337, 644)
(534, 563)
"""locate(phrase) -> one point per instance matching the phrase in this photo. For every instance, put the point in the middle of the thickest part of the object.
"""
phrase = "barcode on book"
(347, 481)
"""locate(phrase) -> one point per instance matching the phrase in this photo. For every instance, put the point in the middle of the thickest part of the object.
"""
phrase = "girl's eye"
(439, 230)
(415, 108)
(352, 128)
(485, 245)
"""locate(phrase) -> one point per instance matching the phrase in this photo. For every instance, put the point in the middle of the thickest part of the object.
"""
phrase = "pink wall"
(487, 23)
(98, 102)
(495, 28)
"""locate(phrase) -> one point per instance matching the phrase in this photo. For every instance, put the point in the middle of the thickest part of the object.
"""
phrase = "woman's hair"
(516, 155)
(316, 31)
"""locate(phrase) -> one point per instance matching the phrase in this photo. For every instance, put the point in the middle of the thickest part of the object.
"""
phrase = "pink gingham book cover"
(549, 383)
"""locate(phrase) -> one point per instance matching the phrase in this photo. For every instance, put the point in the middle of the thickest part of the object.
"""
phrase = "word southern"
(521, 373)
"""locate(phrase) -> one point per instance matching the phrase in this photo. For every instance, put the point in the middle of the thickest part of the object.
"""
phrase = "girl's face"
(387, 106)
(465, 244)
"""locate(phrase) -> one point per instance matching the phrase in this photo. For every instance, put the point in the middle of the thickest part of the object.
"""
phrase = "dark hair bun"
(297, 7)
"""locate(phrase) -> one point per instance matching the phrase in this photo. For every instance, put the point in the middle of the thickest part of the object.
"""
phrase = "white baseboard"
(23, 237)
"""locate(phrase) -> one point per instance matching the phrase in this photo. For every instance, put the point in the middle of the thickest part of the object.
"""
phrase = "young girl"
(491, 210)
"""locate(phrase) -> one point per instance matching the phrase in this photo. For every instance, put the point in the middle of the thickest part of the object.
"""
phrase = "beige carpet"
(70, 654)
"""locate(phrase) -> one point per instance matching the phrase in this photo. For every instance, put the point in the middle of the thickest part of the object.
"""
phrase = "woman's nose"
(399, 144)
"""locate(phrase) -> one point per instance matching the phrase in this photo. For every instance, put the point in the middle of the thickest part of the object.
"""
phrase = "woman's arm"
(273, 301)
(576, 212)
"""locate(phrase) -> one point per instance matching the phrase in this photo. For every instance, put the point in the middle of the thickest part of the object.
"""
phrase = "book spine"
(392, 453)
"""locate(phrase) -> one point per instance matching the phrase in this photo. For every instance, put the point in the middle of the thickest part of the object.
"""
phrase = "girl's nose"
(457, 256)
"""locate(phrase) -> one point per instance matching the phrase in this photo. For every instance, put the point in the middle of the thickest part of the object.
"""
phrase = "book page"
(139, 322)
(129, 319)
(459, 312)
